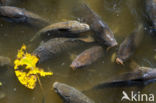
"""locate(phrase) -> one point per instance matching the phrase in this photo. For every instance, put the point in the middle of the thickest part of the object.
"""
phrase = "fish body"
(52, 47)
(143, 76)
(102, 32)
(63, 29)
(70, 94)
(18, 15)
(87, 57)
(129, 45)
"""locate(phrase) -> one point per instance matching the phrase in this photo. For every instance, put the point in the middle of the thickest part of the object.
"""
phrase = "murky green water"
(118, 14)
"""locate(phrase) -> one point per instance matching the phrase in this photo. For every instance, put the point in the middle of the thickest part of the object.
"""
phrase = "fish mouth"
(76, 65)
(114, 44)
(86, 26)
(119, 61)
(55, 87)
(73, 67)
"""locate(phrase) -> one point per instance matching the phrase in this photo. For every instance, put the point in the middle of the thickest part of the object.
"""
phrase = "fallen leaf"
(26, 70)
(0, 83)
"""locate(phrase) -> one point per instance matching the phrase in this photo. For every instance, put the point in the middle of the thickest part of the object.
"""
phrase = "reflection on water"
(121, 18)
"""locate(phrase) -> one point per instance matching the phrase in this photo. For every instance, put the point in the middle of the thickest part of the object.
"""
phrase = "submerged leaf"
(113, 57)
(0, 83)
(28, 73)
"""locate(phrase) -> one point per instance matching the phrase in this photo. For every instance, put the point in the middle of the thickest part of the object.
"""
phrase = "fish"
(5, 61)
(70, 29)
(102, 33)
(9, 2)
(151, 11)
(70, 94)
(129, 45)
(5, 2)
(5, 64)
(87, 57)
(19, 15)
(51, 48)
(140, 77)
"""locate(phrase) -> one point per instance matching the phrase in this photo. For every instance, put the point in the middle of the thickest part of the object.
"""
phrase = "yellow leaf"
(0, 84)
(28, 73)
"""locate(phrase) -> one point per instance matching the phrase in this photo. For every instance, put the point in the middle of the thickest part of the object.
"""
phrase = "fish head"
(75, 65)
(81, 27)
(5, 61)
(119, 61)
(108, 36)
(80, 62)
(105, 34)
(123, 57)
(63, 90)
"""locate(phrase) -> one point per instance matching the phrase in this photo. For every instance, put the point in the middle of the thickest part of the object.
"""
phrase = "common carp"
(141, 77)
(5, 61)
(5, 2)
(52, 47)
(9, 2)
(19, 15)
(129, 45)
(70, 94)
(63, 29)
(87, 57)
(151, 11)
(102, 32)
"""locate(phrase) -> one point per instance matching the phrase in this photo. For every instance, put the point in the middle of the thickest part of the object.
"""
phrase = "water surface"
(121, 16)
